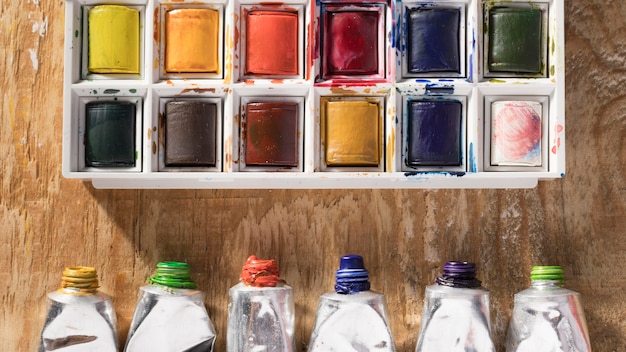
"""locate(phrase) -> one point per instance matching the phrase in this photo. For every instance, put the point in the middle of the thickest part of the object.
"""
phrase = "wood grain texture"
(47, 222)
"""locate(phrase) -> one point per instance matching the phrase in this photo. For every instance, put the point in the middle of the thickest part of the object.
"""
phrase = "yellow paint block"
(113, 39)
(191, 40)
(352, 133)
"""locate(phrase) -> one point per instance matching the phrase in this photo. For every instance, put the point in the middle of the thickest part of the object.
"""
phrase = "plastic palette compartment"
(314, 94)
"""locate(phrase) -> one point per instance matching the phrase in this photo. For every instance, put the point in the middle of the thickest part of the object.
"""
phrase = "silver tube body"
(170, 320)
(260, 319)
(547, 317)
(455, 320)
(351, 322)
(79, 323)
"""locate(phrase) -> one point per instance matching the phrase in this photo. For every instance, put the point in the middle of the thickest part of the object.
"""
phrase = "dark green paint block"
(515, 44)
(110, 134)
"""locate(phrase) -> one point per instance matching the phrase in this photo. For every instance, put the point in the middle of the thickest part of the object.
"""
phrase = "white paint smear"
(33, 58)
(41, 27)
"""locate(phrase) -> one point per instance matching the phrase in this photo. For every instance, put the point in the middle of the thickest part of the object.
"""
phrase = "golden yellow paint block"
(113, 39)
(191, 40)
(352, 133)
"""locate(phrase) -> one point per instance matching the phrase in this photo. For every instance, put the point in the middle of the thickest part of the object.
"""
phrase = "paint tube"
(547, 316)
(79, 318)
(456, 313)
(261, 310)
(353, 318)
(170, 314)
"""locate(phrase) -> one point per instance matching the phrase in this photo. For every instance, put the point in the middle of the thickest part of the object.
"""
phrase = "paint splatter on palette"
(314, 94)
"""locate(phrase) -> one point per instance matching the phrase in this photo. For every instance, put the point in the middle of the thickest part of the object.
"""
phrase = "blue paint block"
(434, 133)
(433, 40)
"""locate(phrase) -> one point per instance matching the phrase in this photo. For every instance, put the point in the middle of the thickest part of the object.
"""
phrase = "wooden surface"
(47, 222)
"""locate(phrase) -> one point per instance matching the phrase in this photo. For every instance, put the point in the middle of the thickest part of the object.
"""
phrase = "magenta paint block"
(351, 41)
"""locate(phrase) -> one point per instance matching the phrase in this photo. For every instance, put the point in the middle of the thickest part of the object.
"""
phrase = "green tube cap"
(546, 273)
(173, 274)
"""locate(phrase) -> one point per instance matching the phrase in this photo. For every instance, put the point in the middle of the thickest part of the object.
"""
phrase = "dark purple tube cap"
(352, 277)
(459, 275)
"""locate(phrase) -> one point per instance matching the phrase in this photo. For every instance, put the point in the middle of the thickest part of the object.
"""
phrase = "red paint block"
(271, 43)
(271, 134)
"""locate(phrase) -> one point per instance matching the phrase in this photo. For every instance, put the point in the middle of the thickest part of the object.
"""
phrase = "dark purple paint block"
(434, 133)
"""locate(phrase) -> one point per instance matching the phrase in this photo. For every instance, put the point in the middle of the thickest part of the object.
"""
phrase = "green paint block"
(515, 43)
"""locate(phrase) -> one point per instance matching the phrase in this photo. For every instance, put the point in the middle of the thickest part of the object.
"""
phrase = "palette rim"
(475, 84)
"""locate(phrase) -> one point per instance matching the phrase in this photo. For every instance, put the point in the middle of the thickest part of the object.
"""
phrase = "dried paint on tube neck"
(79, 280)
(352, 277)
(459, 275)
(172, 274)
(260, 273)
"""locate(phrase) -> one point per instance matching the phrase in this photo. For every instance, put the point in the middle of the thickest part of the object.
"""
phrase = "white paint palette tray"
(250, 94)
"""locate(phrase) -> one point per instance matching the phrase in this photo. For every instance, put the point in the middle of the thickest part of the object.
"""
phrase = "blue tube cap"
(352, 277)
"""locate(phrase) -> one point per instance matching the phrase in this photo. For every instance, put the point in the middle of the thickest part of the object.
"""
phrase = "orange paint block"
(191, 41)
(271, 43)
(352, 133)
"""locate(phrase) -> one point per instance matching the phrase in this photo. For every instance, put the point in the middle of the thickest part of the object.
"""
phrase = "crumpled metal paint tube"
(547, 317)
(261, 310)
(353, 318)
(79, 318)
(170, 315)
(456, 313)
